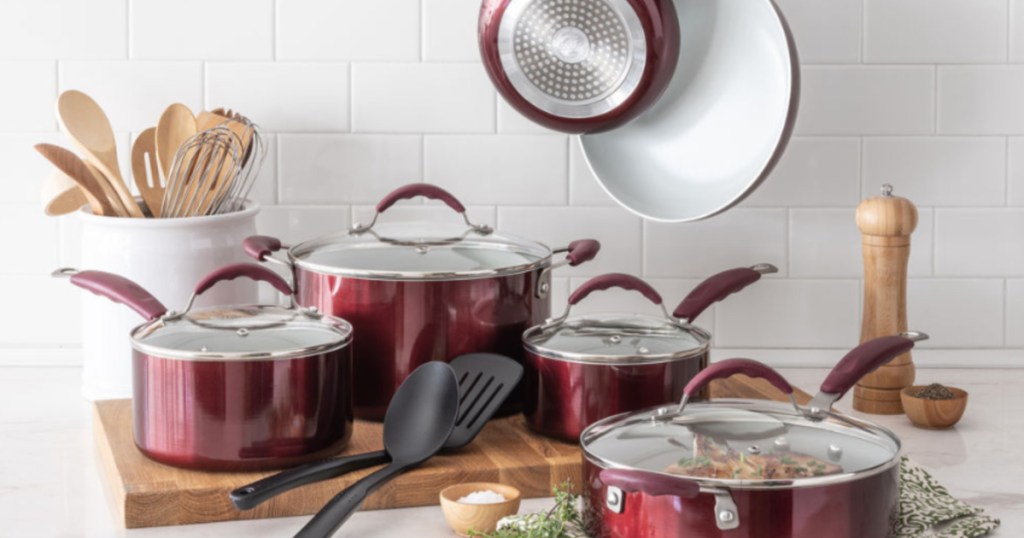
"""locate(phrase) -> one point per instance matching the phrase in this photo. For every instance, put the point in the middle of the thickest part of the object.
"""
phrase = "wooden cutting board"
(150, 494)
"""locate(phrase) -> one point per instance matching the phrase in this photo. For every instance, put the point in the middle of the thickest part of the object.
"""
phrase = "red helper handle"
(615, 280)
(582, 251)
(727, 368)
(718, 287)
(420, 189)
(866, 358)
(258, 247)
(120, 290)
(247, 270)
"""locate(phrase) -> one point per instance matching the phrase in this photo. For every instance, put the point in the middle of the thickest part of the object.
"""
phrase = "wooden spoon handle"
(76, 169)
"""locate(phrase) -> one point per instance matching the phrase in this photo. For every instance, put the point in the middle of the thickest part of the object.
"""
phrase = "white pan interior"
(722, 123)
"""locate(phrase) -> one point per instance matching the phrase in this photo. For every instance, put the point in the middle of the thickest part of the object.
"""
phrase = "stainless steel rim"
(603, 426)
(617, 93)
(631, 360)
(342, 327)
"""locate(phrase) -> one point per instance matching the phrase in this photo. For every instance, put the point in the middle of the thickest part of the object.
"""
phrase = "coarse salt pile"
(483, 497)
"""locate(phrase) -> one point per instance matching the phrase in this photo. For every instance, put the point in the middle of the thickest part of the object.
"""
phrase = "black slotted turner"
(485, 381)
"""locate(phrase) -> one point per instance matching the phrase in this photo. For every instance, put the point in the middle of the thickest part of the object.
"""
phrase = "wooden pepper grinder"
(885, 223)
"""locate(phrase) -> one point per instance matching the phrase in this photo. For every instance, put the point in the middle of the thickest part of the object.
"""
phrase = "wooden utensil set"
(209, 160)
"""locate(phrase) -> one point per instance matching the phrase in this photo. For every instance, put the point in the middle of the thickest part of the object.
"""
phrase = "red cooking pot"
(237, 387)
(585, 368)
(747, 468)
(417, 292)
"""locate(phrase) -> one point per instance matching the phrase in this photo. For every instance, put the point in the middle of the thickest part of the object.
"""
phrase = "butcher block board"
(150, 494)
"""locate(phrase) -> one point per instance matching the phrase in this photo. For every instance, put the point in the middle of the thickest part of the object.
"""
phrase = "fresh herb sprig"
(563, 520)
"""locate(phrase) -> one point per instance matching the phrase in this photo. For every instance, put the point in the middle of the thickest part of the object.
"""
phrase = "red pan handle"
(727, 368)
(718, 287)
(650, 483)
(866, 358)
(420, 189)
(258, 247)
(247, 270)
(582, 251)
(615, 280)
(120, 290)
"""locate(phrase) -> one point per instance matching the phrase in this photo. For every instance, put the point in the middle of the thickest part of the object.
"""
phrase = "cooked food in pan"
(714, 460)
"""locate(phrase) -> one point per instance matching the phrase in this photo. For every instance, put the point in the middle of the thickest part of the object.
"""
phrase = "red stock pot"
(235, 387)
(418, 292)
(585, 368)
(747, 468)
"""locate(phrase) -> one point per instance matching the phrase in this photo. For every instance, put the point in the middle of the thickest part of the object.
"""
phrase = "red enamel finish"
(661, 30)
(862, 508)
(399, 325)
(562, 398)
(242, 415)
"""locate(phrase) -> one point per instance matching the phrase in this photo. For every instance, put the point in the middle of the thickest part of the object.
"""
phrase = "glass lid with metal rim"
(616, 338)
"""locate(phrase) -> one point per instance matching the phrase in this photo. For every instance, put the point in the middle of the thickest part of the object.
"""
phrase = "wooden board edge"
(109, 472)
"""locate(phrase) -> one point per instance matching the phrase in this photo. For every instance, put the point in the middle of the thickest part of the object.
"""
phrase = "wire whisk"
(252, 160)
(203, 175)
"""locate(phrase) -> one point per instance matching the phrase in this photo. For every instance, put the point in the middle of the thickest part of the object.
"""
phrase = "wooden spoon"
(176, 125)
(75, 168)
(146, 171)
(60, 195)
(89, 129)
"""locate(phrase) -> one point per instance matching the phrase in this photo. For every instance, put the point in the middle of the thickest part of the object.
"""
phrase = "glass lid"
(421, 250)
(616, 338)
(743, 443)
(242, 333)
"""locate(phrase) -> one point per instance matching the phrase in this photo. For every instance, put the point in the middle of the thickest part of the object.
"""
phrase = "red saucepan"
(235, 387)
(579, 65)
(748, 468)
(585, 368)
(417, 292)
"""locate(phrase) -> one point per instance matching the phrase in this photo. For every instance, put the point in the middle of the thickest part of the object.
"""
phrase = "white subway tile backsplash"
(512, 122)
(29, 94)
(866, 100)
(938, 171)
(346, 169)
(825, 32)
(37, 321)
(32, 237)
(956, 313)
(813, 172)
(295, 224)
(1015, 313)
(1015, 172)
(981, 99)
(134, 94)
(791, 313)
(979, 242)
(202, 30)
(584, 188)
(264, 189)
(24, 167)
(422, 98)
(381, 30)
(739, 237)
(618, 231)
(500, 169)
(283, 96)
(935, 31)
(63, 29)
(449, 30)
(1017, 31)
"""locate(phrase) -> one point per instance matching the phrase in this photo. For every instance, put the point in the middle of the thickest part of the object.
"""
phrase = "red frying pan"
(579, 66)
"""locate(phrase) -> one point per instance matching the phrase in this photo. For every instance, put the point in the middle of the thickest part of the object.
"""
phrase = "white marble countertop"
(50, 483)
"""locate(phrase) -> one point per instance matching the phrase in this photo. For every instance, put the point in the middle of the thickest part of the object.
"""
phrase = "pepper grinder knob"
(886, 223)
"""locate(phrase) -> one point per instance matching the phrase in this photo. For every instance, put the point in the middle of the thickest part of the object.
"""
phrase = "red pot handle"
(426, 190)
(718, 287)
(866, 358)
(258, 247)
(726, 368)
(650, 483)
(118, 289)
(582, 251)
(615, 280)
(248, 270)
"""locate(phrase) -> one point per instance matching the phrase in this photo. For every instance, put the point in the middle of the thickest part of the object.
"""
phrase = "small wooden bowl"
(464, 517)
(933, 414)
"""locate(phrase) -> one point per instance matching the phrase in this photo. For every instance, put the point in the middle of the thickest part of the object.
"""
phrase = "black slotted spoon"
(485, 381)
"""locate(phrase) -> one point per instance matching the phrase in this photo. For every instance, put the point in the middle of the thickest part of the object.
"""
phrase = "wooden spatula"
(75, 168)
(89, 129)
(60, 195)
(176, 125)
(146, 171)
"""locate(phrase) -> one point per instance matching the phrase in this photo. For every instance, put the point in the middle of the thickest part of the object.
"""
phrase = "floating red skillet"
(579, 66)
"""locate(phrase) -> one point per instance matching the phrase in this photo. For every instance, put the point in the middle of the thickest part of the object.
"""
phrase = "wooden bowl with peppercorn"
(934, 407)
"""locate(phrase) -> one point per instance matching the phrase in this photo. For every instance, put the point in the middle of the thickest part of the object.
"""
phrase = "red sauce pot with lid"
(239, 387)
